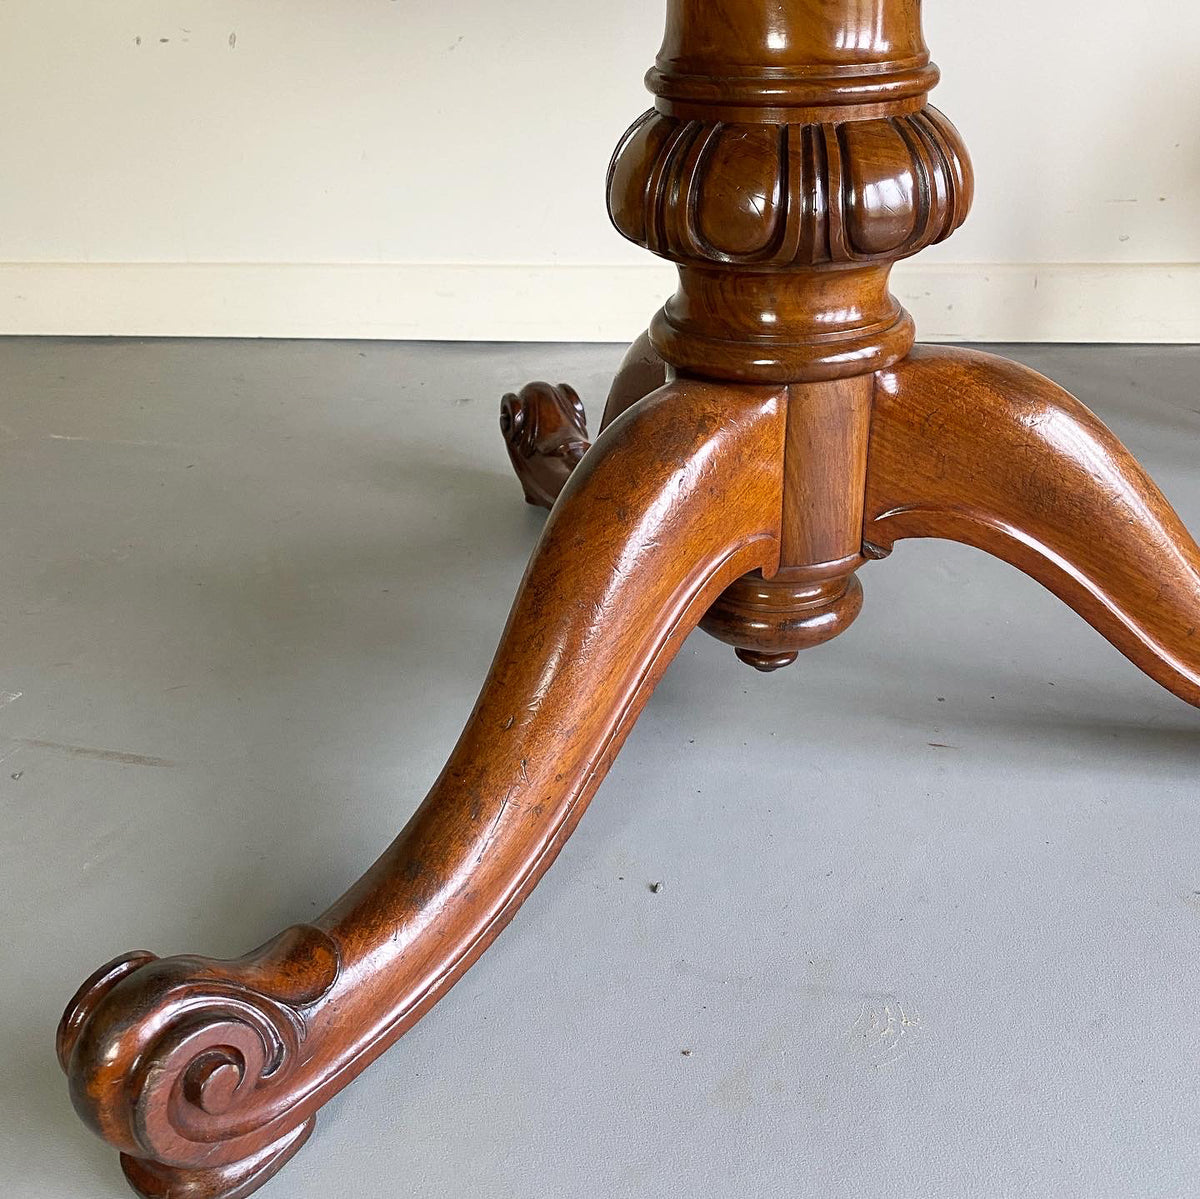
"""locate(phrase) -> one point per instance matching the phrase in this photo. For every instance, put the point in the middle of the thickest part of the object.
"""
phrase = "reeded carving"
(778, 196)
(186, 1059)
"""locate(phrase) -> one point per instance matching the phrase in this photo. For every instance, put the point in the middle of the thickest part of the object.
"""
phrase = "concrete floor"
(930, 922)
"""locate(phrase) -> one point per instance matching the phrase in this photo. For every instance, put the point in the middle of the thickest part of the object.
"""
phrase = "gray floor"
(930, 922)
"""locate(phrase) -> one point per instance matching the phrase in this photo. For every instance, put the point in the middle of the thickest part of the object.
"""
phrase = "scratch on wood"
(495, 825)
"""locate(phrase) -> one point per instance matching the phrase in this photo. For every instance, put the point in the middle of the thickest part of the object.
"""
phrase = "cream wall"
(389, 168)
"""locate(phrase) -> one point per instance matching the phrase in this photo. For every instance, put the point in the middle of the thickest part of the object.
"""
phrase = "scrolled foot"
(186, 1064)
(153, 1180)
(545, 430)
(545, 427)
(206, 1074)
(977, 449)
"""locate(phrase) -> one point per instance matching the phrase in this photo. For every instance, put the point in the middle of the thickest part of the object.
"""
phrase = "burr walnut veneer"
(773, 432)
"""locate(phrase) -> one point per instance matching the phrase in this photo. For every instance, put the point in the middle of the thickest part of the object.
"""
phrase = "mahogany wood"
(977, 449)
(641, 372)
(545, 427)
(773, 431)
(206, 1074)
(545, 430)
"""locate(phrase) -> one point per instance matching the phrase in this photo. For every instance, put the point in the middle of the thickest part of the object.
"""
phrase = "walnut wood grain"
(791, 158)
(977, 449)
(206, 1074)
(798, 60)
(825, 470)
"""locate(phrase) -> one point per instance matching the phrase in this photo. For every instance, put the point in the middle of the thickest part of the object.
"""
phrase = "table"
(774, 431)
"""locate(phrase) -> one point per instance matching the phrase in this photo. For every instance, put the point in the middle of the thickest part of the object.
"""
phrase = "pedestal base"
(206, 1074)
(791, 159)
(977, 449)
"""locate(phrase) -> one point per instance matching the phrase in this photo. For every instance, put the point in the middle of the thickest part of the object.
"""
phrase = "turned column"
(789, 160)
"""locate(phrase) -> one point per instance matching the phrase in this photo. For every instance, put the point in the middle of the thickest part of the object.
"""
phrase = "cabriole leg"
(984, 451)
(207, 1074)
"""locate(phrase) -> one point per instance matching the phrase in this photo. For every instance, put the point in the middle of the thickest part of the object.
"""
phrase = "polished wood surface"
(205, 1073)
(642, 371)
(828, 207)
(971, 447)
(545, 430)
(815, 595)
(772, 433)
(545, 426)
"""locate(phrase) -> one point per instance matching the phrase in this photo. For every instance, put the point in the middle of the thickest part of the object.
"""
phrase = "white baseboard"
(1071, 302)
